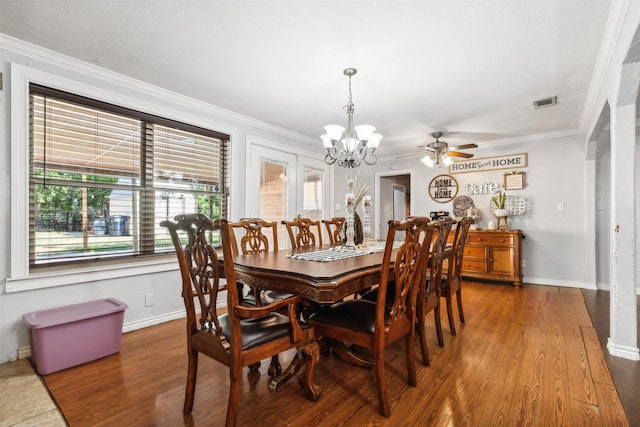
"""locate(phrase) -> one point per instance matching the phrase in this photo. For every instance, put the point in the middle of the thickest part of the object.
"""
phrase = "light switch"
(560, 207)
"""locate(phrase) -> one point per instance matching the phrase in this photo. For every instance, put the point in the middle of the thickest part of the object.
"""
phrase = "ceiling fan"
(438, 153)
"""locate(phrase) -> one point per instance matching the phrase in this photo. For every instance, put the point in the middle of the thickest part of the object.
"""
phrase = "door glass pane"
(273, 195)
(312, 196)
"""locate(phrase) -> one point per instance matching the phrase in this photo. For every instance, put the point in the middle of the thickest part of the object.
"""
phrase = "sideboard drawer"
(474, 251)
(473, 266)
(491, 240)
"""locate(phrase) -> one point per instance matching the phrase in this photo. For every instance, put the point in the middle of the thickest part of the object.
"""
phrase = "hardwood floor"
(625, 373)
(525, 356)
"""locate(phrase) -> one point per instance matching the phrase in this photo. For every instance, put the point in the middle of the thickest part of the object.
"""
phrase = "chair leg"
(190, 391)
(459, 299)
(381, 381)
(311, 354)
(438, 322)
(450, 315)
(235, 388)
(275, 368)
(410, 360)
(422, 335)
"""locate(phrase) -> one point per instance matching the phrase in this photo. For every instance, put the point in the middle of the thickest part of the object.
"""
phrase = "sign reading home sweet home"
(443, 188)
(490, 163)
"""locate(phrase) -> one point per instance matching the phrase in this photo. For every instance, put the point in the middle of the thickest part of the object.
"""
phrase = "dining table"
(323, 274)
(319, 275)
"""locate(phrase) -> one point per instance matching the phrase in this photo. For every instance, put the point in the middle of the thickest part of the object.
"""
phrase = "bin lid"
(73, 313)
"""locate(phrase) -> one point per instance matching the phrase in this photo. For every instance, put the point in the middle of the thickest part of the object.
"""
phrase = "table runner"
(333, 254)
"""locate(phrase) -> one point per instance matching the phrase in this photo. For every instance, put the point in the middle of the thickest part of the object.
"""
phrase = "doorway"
(393, 193)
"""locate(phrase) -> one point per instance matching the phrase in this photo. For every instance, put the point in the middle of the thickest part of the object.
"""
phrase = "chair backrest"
(457, 249)
(437, 255)
(433, 267)
(334, 229)
(259, 236)
(408, 268)
(200, 270)
(304, 232)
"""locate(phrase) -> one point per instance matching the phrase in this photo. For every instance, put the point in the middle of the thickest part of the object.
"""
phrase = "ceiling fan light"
(447, 160)
(364, 132)
(334, 132)
(427, 161)
(374, 140)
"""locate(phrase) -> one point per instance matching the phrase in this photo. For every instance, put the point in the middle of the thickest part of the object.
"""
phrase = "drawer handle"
(502, 240)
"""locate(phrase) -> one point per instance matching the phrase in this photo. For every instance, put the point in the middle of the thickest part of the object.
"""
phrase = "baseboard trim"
(623, 351)
(152, 321)
(562, 283)
(156, 320)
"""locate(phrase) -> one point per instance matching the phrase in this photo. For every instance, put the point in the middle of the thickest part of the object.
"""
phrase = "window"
(103, 177)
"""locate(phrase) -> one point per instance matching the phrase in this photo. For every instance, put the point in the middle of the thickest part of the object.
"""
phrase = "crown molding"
(71, 64)
(615, 22)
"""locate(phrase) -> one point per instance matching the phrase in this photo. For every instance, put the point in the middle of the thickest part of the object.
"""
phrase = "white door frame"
(378, 203)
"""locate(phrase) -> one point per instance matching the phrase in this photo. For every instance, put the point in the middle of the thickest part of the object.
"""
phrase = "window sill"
(49, 279)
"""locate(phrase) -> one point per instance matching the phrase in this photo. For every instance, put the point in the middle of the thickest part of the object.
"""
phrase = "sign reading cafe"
(489, 163)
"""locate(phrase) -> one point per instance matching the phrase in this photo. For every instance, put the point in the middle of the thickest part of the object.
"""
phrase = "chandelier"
(360, 142)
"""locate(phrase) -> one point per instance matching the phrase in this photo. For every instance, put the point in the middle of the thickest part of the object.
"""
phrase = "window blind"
(102, 178)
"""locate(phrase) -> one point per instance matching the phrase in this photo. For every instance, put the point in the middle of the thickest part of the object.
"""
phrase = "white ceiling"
(469, 68)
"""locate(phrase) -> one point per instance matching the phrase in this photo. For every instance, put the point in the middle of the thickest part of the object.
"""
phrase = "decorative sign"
(489, 163)
(443, 188)
(486, 188)
(514, 181)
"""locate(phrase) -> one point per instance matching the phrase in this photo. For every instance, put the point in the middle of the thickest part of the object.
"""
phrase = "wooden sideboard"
(493, 255)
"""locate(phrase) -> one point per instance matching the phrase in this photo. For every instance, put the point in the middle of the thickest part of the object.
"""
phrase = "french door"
(282, 185)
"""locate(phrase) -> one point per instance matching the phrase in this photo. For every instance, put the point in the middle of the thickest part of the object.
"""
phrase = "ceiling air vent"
(546, 102)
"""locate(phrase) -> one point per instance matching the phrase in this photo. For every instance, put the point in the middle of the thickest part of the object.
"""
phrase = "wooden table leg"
(343, 352)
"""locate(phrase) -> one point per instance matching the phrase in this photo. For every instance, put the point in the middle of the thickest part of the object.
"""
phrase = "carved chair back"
(334, 229)
(304, 232)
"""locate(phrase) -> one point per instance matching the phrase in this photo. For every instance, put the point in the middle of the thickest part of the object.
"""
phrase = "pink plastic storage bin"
(74, 334)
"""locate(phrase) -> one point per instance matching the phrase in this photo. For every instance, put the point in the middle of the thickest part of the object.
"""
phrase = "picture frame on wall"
(513, 181)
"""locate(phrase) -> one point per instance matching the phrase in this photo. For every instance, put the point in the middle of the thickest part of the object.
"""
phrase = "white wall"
(554, 245)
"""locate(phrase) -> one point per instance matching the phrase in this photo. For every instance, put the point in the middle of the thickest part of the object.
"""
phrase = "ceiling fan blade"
(426, 147)
(463, 147)
(418, 153)
(459, 154)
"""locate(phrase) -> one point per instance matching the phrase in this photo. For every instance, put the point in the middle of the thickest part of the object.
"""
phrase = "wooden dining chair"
(429, 295)
(334, 229)
(303, 232)
(452, 279)
(256, 236)
(375, 325)
(243, 335)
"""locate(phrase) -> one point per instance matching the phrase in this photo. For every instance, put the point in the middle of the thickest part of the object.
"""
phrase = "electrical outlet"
(523, 263)
(149, 300)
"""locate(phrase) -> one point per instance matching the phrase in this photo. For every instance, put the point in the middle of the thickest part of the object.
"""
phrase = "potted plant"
(499, 202)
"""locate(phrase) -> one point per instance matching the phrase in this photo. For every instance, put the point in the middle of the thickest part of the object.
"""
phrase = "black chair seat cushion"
(260, 331)
(358, 315)
(372, 294)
